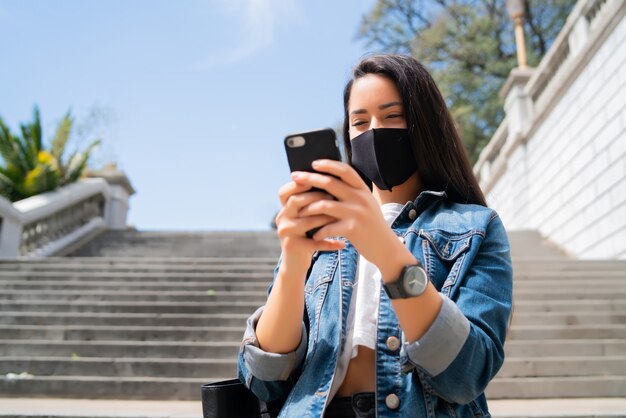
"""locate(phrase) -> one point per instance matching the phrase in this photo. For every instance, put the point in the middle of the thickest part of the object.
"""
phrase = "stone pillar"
(10, 232)
(517, 104)
(116, 210)
(577, 38)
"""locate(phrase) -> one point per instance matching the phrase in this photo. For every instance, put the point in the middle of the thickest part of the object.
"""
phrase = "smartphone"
(305, 147)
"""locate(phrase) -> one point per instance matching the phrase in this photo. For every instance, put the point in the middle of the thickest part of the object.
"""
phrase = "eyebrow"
(381, 107)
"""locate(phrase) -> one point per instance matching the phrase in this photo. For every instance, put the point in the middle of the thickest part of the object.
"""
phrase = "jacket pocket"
(444, 253)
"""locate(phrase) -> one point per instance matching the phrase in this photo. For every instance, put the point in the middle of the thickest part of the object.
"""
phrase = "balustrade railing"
(50, 223)
(580, 33)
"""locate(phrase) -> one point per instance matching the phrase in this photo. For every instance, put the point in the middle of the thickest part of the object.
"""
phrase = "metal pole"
(519, 41)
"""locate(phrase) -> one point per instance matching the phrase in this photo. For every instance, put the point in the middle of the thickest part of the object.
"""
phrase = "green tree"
(28, 168)
(469, 47)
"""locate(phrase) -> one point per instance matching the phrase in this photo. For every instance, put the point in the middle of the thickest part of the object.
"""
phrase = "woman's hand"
(297, 249)
(356, 215)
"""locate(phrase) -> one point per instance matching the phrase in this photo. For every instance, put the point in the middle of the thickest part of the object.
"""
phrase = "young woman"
(398, 305)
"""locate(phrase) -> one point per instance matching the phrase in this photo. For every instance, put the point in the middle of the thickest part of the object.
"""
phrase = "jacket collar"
(419, 205)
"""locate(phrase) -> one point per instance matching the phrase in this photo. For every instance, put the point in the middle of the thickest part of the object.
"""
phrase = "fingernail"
(316, 163)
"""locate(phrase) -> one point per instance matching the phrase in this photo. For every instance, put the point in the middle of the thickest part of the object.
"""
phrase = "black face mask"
(384, 157)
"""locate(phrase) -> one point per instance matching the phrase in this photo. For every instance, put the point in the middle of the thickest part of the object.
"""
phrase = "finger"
(334, 208)
(329, 244)
(333, 229)
(298, 201)
(344, 171)
(290, 189)
(299, 226)
(322, 245)
(334, 186)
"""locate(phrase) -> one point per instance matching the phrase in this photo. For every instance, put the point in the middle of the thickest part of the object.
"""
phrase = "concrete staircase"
(148, 315)
(568, 336)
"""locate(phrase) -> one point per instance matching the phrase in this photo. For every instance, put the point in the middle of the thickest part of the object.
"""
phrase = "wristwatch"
(411, 283)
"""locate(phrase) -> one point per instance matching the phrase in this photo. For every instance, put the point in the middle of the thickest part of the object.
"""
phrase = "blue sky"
(191, 98)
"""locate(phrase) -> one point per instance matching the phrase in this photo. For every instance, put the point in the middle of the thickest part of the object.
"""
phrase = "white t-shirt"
(362, 317)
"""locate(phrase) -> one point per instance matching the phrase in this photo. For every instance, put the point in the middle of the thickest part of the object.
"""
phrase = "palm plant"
(29, 169)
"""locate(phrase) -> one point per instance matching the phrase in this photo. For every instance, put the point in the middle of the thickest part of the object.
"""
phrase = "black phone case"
(320, 144)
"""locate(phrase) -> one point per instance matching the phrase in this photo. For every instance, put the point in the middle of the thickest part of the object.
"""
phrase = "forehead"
(371, 90)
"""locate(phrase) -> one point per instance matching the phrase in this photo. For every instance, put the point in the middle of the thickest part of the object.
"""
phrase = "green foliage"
(469, 47)
(29, 169)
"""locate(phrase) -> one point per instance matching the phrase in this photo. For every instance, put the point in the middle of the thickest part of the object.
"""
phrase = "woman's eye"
(358, 123)
(395, 115)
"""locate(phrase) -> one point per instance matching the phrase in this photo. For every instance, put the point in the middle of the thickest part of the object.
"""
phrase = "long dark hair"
(441, 157)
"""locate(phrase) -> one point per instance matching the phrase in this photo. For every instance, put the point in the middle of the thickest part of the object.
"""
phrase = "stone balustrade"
(557, 163)
(55, 222)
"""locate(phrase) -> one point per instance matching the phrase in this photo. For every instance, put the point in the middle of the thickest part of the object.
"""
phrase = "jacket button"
(412, 214)
(393, 343)
(392, 401)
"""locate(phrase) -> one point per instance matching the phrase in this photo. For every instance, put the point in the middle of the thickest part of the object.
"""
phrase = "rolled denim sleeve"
(464, 347)
(269, 366)
(443, 341)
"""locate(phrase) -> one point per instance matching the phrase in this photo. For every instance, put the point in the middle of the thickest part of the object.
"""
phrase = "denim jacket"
(465, 251)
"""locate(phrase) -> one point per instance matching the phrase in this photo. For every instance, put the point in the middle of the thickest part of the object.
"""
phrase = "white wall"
(569, 178)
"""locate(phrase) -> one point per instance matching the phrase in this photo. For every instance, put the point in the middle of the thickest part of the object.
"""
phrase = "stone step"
(168, 367)
(207, 295)
(69, 284)
(134, 307)
(136, 268)
(554, 285)
(60, 318)
(110, 333)
(532, 263)
(167, 319)
(91, 408)
(583, 305)
(551, 332)
(564, 347)
(546, 275)
(569, 294)
(556, 387)
(267, 274)
(558, 408)
(133, 261)
(62, 277)
(123, 259)
(154, 349)
(111, 319)
(165, 388)
(119, 408)
(161, 243)
(249, 307)
(125, 285)
(564, 366)
(218, 333)
(569, 318)
(522, 267)
(120, 367)
(107, 387)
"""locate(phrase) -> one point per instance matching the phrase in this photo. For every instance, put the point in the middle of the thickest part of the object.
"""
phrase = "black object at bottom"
(231, 398)
(359, 405)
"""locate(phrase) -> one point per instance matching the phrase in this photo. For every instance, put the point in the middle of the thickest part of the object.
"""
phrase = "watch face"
(415, 280)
